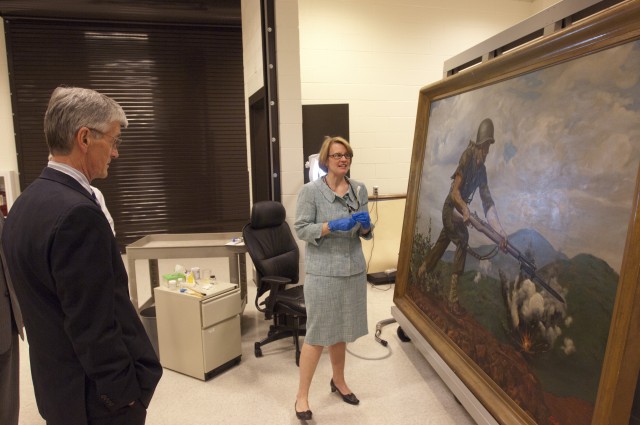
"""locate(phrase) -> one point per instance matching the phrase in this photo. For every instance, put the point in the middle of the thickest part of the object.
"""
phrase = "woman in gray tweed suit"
(332, 215)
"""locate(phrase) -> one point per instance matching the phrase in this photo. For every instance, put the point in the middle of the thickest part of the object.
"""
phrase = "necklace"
(351, 209)
(324, 179)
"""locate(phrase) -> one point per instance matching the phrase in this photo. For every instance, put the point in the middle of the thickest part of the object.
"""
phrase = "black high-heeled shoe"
(347, 398)
(303, 416)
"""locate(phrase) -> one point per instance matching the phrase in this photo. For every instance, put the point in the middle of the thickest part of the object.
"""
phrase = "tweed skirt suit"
(335, 286)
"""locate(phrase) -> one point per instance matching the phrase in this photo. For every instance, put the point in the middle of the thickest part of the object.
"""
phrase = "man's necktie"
(95, 198)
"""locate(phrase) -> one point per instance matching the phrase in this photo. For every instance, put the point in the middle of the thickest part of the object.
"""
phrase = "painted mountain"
(526, 241)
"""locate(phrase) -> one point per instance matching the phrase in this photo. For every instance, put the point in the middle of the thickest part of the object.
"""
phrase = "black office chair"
(275, 256)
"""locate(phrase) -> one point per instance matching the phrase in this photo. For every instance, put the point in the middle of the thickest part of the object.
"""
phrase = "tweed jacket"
(339, 253)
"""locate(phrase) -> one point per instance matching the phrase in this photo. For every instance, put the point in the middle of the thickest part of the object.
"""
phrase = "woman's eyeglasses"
(340, 155)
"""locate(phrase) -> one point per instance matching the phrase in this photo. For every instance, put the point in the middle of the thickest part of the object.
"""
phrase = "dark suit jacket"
(10, 326)
(90, 354)
(10, 315)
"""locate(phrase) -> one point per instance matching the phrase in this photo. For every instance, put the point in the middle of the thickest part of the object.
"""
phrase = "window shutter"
(183, 163)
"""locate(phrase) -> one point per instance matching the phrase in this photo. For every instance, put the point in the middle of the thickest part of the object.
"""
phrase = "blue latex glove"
(343, 224)
(363, 218)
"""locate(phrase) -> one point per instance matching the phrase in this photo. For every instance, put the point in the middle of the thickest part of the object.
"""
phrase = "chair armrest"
(276, 282)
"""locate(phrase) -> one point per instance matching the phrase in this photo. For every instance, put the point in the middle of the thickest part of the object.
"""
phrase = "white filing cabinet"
(199, 336)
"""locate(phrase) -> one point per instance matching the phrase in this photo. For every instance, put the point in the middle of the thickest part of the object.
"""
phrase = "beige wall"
(251, 47)
(290, 111)
(252, 59)
(375, 56)
(382, 251)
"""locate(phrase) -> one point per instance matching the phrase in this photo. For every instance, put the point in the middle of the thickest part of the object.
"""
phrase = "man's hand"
(466, 215)
(503, 242)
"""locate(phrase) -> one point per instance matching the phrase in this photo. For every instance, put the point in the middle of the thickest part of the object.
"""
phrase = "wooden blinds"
(183, 163)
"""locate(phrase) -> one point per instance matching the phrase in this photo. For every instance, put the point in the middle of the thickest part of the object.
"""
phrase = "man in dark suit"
(91, 360)
(10, 328)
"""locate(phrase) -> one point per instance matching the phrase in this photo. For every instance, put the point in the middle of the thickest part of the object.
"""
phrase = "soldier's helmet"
(485, 133)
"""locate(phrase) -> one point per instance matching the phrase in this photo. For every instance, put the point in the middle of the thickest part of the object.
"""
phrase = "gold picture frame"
(604, 37)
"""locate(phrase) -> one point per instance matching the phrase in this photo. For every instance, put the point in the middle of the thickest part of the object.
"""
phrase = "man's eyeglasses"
(340, 155)
(116, 140)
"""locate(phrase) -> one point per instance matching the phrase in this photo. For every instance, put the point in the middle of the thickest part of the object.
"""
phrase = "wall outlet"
(375, 190)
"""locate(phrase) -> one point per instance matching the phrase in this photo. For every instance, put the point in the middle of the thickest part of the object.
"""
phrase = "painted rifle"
(525, 265)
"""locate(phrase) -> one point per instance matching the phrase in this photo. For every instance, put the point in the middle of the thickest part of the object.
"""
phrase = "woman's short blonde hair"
(323, 156)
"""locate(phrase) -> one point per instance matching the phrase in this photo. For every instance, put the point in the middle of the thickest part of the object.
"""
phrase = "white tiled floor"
(395, 384)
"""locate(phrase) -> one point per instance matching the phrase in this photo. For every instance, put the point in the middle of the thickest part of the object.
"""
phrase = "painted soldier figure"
(471, 175)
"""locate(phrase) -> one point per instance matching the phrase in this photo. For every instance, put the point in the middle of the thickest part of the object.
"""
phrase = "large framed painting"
(519, 261)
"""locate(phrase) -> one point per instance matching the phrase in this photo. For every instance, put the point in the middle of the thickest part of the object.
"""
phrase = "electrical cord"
(384, 356)
(374, 214)
(377, 287)
(370, 358)
(403, 337)
(373, 237)
(379, 327)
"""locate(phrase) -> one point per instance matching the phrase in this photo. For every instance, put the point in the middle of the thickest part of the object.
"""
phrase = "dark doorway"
(261, 170)
(319, 121)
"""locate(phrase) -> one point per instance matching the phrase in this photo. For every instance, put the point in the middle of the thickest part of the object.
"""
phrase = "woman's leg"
(309, 357)
(337, 353)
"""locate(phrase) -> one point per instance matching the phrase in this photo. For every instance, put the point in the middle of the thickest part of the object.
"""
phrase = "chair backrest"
(270, 243)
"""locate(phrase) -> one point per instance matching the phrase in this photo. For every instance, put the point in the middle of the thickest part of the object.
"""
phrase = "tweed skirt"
(336, 308)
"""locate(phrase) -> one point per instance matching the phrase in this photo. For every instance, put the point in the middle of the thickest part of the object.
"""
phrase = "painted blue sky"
(566, 155)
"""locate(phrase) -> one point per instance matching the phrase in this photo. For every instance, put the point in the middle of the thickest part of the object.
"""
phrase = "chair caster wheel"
(403, 336)
(257, 350)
